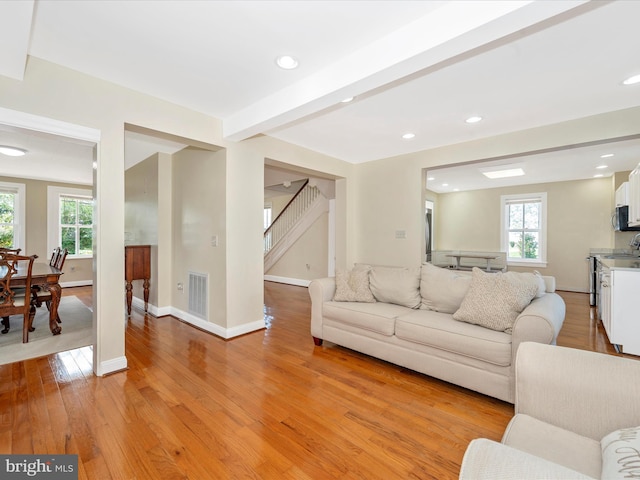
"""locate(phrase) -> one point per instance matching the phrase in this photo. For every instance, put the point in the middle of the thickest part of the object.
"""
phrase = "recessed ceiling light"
(12, 151)
(601, 167)
(456, 189)
(348, 99)
(431, 179)
(607, 155)
(445, 184)
(632, 80)
(287, 62)
(505, 173)
(474, 119)
(408, 136)
(598, 175)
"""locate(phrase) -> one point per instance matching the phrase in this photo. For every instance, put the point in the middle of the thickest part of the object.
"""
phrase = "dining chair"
(41, 295)
(16, 301)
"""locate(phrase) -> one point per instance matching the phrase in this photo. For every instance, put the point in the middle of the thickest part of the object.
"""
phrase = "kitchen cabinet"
(619, 305)
(622, 195)
(634, 197)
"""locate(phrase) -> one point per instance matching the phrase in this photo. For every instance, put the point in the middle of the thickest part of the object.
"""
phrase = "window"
(523, 229)
(12, 215)
(71, 221)
(267, 215)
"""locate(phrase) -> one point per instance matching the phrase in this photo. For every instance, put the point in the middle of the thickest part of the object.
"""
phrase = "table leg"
(56, 293)
(129, 289)
(145, 286)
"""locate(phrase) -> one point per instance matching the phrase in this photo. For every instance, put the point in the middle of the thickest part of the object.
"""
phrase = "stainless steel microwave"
(620, 220)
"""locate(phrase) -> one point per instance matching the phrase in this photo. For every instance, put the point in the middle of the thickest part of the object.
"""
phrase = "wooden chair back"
(58, 257)
(16, 301)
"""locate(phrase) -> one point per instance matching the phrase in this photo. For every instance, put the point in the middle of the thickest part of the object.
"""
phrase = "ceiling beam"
(452, 30)
(15, 31)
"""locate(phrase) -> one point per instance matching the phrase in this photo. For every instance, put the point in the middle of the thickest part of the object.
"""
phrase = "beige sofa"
(413, 324)
(577, 416)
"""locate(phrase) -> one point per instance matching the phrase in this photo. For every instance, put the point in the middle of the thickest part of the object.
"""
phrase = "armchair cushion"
(489, 460)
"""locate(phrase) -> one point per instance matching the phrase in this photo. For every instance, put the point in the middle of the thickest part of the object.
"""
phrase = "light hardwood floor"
(266, 405)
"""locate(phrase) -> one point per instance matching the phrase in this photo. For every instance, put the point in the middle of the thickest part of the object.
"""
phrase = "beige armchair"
(566, 401)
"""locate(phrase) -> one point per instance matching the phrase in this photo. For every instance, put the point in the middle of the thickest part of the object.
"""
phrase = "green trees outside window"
(524, 229)
(7, 219)
(76, 225)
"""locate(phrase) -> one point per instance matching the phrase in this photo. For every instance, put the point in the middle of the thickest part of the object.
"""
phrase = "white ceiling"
(419, 66)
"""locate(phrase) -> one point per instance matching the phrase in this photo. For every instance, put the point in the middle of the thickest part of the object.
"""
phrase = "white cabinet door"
(605, 304)
(624, 310)
(622, 195)
(634, 197)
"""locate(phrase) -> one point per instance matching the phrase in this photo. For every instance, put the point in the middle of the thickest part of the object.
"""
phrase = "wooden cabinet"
(137, 266)
(634, 197)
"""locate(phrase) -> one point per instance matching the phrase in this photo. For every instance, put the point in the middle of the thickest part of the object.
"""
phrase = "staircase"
(300, 213)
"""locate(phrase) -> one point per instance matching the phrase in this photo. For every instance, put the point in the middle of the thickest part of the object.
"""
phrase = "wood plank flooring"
(268, 405)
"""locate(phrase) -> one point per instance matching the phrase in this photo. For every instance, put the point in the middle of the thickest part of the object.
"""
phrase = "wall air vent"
(198, 294)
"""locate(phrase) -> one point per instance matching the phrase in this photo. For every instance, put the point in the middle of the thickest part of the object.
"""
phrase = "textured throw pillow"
(397, 285)
(443, 289)
(621, 454)
(534, 278)
(495, 300)
(353, 286)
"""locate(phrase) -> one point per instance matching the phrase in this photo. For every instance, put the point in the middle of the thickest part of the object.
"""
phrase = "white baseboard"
(225, 333)
(290, 281)
(77, 283)
(113, 365)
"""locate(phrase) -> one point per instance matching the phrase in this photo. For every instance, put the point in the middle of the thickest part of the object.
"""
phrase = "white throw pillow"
(397, 285)
(353, 286)
(495, 300)
(535, 278)
(443, 289)
(621, 454)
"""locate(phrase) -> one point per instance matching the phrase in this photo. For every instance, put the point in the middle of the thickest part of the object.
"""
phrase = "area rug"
(77, 331)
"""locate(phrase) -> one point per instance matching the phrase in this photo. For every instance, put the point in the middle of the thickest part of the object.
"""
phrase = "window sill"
(520, 263)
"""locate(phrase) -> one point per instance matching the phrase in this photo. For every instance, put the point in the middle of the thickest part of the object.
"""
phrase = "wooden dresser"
(137, 266)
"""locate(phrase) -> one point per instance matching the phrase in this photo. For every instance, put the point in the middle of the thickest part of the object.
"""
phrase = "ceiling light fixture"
(12, 151)
(601, 167)
(632, 80)
(598, 175)
(504, 173)
(348, 99)
(606, 155)
(286, 62)
(474, 119)
(408, 136)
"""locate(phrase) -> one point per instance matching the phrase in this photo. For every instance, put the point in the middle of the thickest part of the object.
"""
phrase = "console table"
(488, 258)
(137, 266)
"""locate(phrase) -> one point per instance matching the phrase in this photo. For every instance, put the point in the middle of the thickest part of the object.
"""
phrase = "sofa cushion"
(397, 285)
(375, 317)
(353, 286)
(495, 300)
(438, 330)
(621, 454)
(443, 289)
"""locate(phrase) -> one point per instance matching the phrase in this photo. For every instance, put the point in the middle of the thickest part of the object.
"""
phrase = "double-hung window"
(71, 221)
(524, 229)
(12, 215)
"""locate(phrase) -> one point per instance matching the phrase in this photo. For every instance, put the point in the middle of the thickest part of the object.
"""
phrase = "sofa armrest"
(540, 321)
(320, 290)
(486, 459)
(585, 392)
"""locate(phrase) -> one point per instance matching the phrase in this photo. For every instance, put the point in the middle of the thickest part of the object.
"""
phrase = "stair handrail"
(287, 206)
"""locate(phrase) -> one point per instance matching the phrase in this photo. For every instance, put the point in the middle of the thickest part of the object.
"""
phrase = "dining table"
(47, 278)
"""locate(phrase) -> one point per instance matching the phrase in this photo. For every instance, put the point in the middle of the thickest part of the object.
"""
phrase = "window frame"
(19, 211)
(53, 216)
(505, 201)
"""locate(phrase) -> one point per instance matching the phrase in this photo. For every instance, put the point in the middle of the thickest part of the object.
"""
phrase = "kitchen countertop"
(618, 259)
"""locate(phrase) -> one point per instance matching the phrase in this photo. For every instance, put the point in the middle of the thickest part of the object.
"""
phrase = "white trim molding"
(225, 333)
(112, 365)
(289, 281)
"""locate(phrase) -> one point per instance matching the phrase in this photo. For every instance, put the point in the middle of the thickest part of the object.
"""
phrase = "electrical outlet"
(180, 287)
(214, 240)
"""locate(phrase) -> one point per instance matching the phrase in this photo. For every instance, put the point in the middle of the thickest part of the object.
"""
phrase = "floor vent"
(198, 294)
